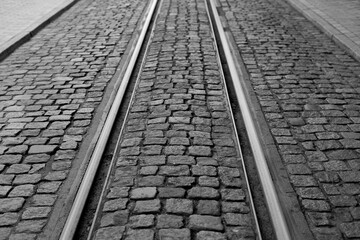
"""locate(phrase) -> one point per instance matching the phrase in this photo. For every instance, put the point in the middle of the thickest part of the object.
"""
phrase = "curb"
(12, 44)
(334, 33)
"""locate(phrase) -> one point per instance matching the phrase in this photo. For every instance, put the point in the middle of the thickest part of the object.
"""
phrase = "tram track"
(84, 189)
(276, 215)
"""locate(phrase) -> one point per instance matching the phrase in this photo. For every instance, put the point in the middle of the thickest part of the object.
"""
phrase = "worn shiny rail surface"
(276, 213)
(201, 153)
(84, 189)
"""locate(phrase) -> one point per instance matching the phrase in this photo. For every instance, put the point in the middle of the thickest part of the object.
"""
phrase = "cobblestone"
(145, 234)
(309, 114)
(179, 206)
(143, 193)
(140, 221)
(169, 221)
(11, 204)
(208, 235)
(50, 89)
(178, 161)
(36, 212)
(203, 222)
(110, 233)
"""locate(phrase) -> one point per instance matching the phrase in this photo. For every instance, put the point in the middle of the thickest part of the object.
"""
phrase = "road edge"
(335, 34)
(13, 43)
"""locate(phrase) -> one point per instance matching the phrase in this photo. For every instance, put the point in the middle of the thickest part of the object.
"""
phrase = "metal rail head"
(276, 213)
(84, 189)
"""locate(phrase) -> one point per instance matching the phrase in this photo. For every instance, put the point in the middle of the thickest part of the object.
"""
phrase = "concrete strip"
(22, 37)
(334, 30)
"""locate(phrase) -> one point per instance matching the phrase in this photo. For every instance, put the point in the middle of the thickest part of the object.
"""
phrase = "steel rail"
(84, 189)
(117, 146)
(276, 213)
(259, 237)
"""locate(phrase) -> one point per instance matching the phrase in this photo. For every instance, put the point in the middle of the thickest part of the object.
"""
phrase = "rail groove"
(277, 216)
(276, 213)
(84, 189)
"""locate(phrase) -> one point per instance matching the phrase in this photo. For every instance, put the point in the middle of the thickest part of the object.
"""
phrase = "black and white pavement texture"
(178, 173)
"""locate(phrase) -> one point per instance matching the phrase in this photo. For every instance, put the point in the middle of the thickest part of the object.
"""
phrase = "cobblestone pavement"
(178, 171)
(308, 89)
(17, 16)
(178, 174)
(49, 90)
(338, 19)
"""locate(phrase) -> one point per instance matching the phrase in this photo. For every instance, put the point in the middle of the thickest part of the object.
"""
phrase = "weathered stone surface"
(6, 179)
(149, 170)
(232, 194)
(203, 222)
(118, 218)
(171, 192)
(11, 204)
(110, 233)
(175, 234)
(141, 221)
(4, 190)
(152, 160)
(43, 199)
(39, 149)
(18, 168)
(234, 207)
(150, 181)
(5, 232)
(34, 226)
(37, 158)
(49, 187)
(117, 192)
(25, 190)
(182, 181)
(203, 193)
(179, 206)
(206, 181)
(145, 234)
(143, 193)
(180, 170)
(27, 178)
(169, 221)
(36, 212)
(21, 236)
(351, 230)
(10, 159)
(316, 205)
(200, 151)
(147, 206)
(47, 102)
(203, 170)
(208, 207)
(181, 160)
(237, 219)
(7, 219)
(209, 235)
(116, 204)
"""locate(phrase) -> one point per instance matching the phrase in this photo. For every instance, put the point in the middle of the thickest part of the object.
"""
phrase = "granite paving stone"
(50, 89)
(203, 222)
(145, 234)
(176, 234)
(309, 114)
(209, 235)
(109, 233)
(178, 163)
(169, 221)
(179, 206)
